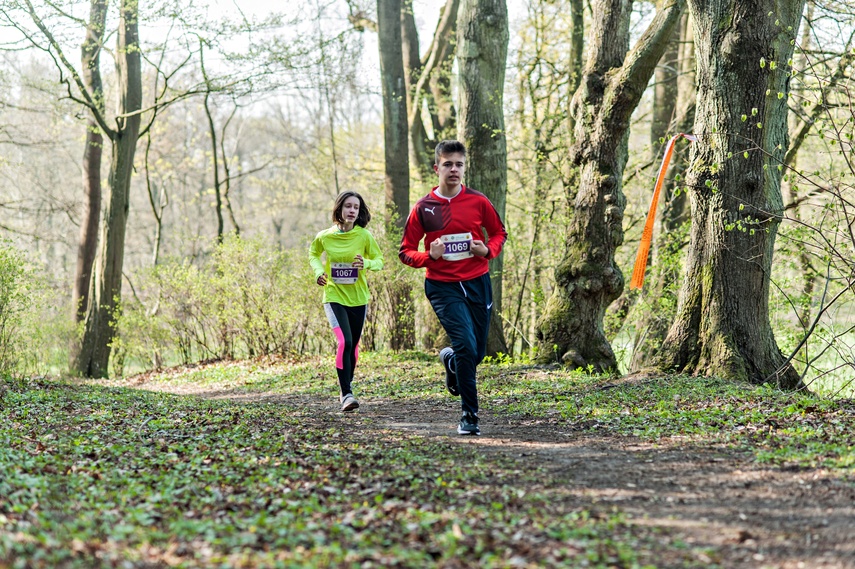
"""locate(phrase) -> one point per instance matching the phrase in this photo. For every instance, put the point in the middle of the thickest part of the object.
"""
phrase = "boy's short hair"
(448, 147)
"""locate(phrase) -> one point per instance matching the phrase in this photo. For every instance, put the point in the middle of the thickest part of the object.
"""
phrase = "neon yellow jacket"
(341, 247)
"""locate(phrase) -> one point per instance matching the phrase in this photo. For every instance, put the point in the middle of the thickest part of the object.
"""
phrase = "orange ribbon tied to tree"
(647, 235)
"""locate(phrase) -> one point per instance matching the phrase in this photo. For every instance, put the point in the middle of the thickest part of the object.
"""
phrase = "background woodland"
(164, 166)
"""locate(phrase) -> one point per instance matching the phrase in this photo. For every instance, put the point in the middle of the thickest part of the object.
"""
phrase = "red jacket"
(456, 221)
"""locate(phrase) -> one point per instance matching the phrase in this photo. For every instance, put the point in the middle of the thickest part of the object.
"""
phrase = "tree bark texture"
(92, 152)
(587, 278)
(576, 57)
(395, 131)
(722, 326)
(92, 358)
(482, 40)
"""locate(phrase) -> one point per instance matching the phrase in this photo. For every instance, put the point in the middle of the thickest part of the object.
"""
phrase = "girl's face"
(350, 209)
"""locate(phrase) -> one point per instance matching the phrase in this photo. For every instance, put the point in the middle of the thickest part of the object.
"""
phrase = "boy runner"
(451, 219)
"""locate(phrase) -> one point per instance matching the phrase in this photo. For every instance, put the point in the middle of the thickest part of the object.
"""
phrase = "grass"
(776, 426)
(103, 475)
(97, 475)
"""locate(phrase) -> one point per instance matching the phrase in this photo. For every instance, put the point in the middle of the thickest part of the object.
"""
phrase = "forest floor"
(702, 503)
(251, 464)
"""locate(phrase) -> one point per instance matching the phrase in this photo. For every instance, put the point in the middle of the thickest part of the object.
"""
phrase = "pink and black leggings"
(346, 322)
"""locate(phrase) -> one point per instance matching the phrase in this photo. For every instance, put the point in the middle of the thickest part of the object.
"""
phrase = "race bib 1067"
(458, 246)
(343, 273)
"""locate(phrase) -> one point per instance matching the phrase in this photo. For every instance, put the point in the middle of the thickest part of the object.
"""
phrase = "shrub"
(34, 330)
(14, 301)
(248, 299)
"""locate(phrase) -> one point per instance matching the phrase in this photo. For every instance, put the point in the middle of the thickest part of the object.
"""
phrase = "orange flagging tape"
(647, 235)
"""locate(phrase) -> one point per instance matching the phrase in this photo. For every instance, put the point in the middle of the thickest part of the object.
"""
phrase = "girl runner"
(350, 251)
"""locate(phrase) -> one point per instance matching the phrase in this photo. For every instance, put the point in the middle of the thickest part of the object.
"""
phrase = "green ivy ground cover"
(100, 476)
(778, 427)
(106, 476)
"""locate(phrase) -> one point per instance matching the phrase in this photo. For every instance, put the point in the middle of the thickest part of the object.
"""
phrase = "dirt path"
(727, 509)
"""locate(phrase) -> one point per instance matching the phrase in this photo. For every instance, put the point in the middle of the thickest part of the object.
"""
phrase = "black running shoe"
(446, 356)
(468, 424)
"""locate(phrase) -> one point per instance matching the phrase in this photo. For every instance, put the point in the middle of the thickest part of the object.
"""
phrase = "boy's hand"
(479, 248)
(322, 280)
(359, 262)
(437, 249)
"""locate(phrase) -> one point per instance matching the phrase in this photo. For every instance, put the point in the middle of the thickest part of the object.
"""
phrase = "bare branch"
(88, 101)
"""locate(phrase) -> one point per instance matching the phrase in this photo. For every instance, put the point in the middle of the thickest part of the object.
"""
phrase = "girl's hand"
(322, 280)
(359, 262)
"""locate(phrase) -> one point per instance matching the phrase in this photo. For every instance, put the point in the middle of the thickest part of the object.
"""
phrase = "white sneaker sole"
(352, 406)
(462, 432)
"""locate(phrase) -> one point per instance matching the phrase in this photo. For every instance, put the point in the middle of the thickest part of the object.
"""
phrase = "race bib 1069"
(458, 246)
(343, 273)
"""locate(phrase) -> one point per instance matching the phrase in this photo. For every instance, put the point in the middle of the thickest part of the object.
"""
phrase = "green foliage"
(34, 330)
(704, 410)
(99, 477)
(777, 426)
(248, 300)
(502, 359)
(14, 301)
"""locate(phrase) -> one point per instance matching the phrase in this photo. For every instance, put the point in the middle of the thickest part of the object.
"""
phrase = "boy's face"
(450, 169)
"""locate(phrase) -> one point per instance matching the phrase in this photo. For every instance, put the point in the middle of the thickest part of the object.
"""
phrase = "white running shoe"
(349, 403)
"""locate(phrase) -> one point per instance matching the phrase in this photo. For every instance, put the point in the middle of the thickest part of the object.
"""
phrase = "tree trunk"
(587, 278)
(93, 150)
(412, 69)
(659, 297)
(799, 130)
(87, 244)
(577, 54)
(482, 39)
(722, 325)
(420, 153)
(212, 132)
(441, 101)
(157, 198)
(395, 129)
(215, 166)
(431, 82)
(92, 358)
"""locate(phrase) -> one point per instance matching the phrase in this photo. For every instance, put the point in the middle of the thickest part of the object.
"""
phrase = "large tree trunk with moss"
(482, 40)
(90, 59)
(657, 304)
(91, 356)
(587, 278)
(722, 326)
(401, 320)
